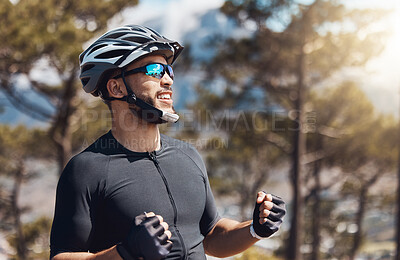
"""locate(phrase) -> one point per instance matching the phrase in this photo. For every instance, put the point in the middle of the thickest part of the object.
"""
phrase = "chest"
(174, 189)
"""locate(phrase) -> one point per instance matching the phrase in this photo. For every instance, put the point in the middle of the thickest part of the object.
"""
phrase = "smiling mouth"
(166, 96)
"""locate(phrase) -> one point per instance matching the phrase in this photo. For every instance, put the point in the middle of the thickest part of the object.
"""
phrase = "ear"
(115, 88)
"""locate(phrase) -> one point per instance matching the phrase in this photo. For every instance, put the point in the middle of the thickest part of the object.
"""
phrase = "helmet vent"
(140, 40)
(97, 47)
(87, 67)
(85, 81)
(115, 35)
(138, 29)
(111, 54)
(122, 44)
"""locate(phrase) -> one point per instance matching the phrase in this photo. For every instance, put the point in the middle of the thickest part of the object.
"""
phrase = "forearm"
(109, 254)
(229, 237)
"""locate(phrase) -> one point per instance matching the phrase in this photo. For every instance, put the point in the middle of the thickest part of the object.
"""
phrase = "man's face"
(157, 92)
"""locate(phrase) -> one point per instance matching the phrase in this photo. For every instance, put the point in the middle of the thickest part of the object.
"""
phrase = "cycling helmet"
(118, 48)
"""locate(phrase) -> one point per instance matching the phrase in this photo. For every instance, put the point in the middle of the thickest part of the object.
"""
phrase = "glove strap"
(254, 234)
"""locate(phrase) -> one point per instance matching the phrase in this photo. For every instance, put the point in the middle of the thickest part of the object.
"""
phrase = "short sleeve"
(72, 223)
(210, 215)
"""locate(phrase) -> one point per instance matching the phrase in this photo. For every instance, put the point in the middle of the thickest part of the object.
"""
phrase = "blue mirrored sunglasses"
(156, 70)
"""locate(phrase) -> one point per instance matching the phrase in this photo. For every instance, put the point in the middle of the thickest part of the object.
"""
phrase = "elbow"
(215, 252)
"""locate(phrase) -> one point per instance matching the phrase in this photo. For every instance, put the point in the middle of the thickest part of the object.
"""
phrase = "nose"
(166, 81)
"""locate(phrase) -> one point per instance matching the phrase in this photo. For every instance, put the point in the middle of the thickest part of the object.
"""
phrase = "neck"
(136, 134)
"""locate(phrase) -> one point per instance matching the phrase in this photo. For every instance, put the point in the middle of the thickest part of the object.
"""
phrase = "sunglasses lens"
(155, 70)
(158, 70)
(170, 71)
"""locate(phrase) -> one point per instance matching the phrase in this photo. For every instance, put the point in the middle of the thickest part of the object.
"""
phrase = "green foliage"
(343, 113)
(352, 136)
(239, 153)
(93, 120)
(51, 34)
(295, 47)
(20, 143)
(353, 129)
(53, 29)
(270, 59)
(36, 234)
(257, 11)
(18, 147)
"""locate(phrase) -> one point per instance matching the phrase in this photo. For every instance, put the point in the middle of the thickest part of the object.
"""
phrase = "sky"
(178, 13)
(382, 79)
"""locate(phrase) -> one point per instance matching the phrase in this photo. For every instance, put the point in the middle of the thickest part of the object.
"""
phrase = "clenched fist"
(148, 239)
(268, 214)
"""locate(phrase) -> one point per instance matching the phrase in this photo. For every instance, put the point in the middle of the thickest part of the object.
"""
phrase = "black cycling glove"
(146, 240)
(274, 219)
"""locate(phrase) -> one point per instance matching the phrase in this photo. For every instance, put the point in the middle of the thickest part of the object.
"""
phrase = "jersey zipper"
(153, 158)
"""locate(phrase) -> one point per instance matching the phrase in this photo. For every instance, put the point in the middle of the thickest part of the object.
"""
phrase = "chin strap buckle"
(131, 98)
(168, 117)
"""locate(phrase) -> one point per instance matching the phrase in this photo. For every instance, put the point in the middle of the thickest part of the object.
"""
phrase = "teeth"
(164, 96)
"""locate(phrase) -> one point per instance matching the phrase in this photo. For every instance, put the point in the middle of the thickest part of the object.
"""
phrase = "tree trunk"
(22, 250)
(60, 131)
(316, 220)
(358, 236)
(359, 218)
(64, 148)
(295, 236)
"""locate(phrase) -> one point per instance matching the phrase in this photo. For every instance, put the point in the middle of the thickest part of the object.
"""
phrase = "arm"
(109, 254)
(77, 199)
(149, 237)
(229, 237)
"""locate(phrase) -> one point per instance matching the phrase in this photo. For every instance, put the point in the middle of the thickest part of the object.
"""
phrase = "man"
(109, 194)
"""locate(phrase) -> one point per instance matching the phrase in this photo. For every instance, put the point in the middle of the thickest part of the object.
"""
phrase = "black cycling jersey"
(104, 187)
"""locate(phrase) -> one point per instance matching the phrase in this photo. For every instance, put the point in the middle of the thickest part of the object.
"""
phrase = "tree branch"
(279, 142)
(43, 89)
(26, 107)
(331, 132)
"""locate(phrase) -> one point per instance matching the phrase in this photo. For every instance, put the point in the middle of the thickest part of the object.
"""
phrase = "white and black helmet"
(118, 48)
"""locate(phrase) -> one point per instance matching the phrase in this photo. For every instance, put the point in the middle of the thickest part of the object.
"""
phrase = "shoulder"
(180, 145)
(84, 170)
(185, 148)
(87, 168)
(87, 162)
(94, 157)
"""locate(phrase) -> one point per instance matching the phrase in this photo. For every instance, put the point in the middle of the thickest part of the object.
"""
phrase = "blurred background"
(299, 98)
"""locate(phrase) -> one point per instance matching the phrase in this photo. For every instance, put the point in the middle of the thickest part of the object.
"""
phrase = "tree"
(370, 155)
(345, 120)
(285, 62)
(238, 155)
(36, 236)
(52, 33)
(18, 146)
